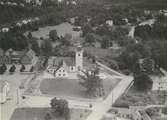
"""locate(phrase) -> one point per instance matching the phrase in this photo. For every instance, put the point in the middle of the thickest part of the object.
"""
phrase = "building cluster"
(19, 24)
(11, 3)
(132, 113)
(164, 12)
(34, 2)
(17, 57)
(66, 66)
(39, 2)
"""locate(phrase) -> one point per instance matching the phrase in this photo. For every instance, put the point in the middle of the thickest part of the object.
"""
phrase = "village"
(83, 68)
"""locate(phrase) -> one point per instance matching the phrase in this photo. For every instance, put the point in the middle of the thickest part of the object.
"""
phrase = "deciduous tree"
(60, 108)
(92, 82)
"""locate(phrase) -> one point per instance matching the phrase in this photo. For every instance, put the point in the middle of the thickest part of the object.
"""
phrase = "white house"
(160, 83)
(109, 22)
(4, 91)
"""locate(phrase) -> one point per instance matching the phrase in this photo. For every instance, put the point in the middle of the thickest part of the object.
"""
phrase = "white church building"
(66, 66)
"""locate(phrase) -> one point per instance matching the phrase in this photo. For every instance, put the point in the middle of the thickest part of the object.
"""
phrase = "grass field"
(39, 114)
(71, 87)
(61, 29)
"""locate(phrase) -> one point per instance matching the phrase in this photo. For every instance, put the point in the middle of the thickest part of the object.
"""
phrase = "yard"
(71, 87)
(39, 114)
(134, 97)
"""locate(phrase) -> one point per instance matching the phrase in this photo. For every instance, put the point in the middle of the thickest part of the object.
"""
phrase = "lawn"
(134, 97)
(39, 114)
(62, 29)
(71, 87)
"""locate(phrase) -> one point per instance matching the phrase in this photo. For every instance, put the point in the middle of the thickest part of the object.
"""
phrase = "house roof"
(2, 84)
(30, 54)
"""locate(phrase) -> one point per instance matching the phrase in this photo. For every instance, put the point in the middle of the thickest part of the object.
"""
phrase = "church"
(67, 66)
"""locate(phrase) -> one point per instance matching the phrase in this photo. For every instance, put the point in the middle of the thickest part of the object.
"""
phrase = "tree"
(4, 67)
(32, 69)
(48, 116)
(133, 53)
(1, 70)
(86, 29)
(53, 35)
(105, 42)
(142, 82)
(22, 68)
(89, 38)
(60, 108)
(92, 82)
(46, 47)
(12, 69)
(34, 45)
(164, 110)
(29, 35)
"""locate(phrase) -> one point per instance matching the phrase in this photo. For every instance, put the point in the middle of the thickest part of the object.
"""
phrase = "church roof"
(57, 62)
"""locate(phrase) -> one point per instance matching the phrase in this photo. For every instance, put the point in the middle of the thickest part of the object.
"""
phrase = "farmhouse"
(65, 66)
(4, 90)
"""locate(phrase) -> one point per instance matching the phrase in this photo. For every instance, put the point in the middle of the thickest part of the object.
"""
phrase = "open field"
(71, 87)
(39, 114)
(62, 29)
(134, 97)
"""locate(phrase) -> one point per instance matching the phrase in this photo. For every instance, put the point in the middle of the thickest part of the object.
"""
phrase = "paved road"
(43, 101)
(100, 109)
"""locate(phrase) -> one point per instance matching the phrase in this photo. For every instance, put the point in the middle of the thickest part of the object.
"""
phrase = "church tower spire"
(79, 58)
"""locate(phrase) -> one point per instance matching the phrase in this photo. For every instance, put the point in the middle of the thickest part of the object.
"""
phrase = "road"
(8, 107)
(100, 109)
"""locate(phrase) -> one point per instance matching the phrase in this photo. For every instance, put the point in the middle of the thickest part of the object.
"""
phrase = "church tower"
(79, 58)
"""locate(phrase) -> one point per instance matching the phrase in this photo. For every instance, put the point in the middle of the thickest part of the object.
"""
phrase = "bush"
(22, 69)
(12, 69)
(164, 110)
(32, 69)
